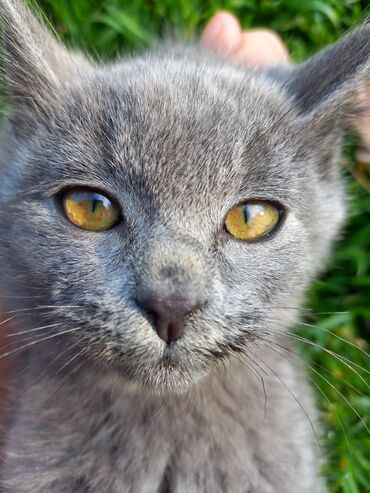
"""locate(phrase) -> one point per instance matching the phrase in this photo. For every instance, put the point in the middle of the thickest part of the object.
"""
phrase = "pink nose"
(169, 314)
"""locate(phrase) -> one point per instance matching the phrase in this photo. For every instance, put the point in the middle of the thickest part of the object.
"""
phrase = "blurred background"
(334, 337)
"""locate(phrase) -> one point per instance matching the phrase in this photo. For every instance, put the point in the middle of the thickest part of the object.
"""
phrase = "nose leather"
(169, 314)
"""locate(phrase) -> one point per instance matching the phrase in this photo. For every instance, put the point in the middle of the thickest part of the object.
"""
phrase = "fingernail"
(212, 32)
(222, 33)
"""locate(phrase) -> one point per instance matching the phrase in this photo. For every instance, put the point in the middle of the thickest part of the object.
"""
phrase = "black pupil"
(245, 211)
(94, 204)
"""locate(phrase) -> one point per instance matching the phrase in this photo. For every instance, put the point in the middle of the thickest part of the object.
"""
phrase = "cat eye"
(252, 220)
(90, 209)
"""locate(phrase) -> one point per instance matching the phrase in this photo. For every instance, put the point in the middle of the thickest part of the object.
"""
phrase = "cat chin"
(164, 378)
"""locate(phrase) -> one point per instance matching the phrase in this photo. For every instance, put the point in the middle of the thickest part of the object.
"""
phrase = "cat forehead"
(166, 120)
(160, 91)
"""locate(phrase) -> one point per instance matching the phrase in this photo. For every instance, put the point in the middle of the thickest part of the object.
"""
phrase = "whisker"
(63, 382)
(295, 398)
(335, 355)
(71, 359)
(347, 362)
(3, 322)
(15, 297)
(343, 397)
(327, 331)
(30, 337)
(336, 336)
(34, 330)
(260, 378)
(41, 307)
(297, 308)
(30, 344)
(114, 386)
(204, 400)
(159, 410)
(314, 363)
(300, 359)
(46, 372)
(309, 311)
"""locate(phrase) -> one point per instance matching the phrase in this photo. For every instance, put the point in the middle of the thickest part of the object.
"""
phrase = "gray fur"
(178, 137)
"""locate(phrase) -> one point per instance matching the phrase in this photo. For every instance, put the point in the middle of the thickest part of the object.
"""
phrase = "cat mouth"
(169, 358)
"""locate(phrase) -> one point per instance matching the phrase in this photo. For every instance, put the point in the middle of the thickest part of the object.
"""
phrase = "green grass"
(341, 303)
(340, 300)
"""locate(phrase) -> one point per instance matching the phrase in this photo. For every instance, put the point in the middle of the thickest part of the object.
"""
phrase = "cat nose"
(169, 314)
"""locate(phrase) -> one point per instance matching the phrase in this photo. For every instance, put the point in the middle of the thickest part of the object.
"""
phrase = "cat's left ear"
(35, 65)
(328, 86)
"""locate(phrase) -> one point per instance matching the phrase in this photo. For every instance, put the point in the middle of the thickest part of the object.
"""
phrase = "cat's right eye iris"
(90, 209)
(252, 220)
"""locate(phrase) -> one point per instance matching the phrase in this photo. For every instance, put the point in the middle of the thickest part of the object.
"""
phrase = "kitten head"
(170, 142)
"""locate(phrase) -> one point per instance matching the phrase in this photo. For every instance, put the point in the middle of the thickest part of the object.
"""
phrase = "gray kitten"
(153, 348)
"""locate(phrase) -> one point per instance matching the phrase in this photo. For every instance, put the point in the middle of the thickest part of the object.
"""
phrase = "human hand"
(256, 47)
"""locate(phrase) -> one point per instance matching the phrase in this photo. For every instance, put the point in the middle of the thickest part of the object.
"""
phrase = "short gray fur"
(178, 136)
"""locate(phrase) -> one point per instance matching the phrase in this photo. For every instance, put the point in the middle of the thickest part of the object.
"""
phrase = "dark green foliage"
(340, 301)
(115, 25)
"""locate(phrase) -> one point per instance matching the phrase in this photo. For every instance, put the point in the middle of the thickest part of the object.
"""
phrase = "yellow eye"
(252, 220)
(90, 209)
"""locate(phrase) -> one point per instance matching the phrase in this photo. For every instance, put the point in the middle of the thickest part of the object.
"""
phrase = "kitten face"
(177, 139)
(176, 153)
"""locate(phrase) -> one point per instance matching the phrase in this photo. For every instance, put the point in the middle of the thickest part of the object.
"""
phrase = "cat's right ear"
(35, 66)
(327, 87)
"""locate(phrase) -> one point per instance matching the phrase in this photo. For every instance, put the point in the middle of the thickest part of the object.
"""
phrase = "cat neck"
(94, 422)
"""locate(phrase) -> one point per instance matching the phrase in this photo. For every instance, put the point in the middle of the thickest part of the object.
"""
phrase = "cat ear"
(328, 86)
(35, 65)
